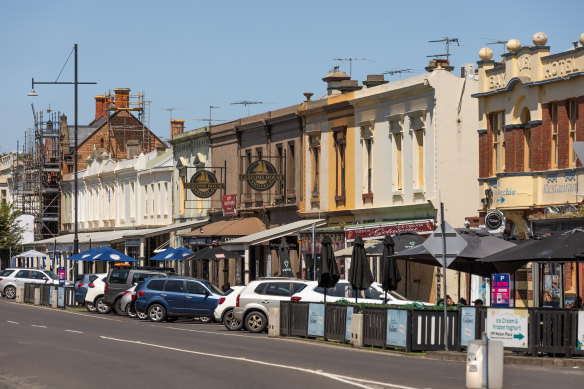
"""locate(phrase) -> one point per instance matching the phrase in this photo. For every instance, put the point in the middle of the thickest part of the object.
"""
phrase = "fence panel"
(70, 297)
(45, 294)
(374, 326)
(428, 331)
(335, 322)
(29, 293)
(298, 319)
(285, 318)
(551, 331)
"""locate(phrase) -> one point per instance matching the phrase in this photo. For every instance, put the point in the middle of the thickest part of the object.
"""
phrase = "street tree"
(10, 230)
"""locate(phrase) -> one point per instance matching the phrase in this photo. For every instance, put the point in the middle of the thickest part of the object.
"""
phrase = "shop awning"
(379, 230)
(148, 232)
(234, 227)
(275, 233)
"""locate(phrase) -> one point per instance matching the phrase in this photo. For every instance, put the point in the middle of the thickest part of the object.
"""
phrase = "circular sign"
(261, 175)
(203, 184)
(494, 220)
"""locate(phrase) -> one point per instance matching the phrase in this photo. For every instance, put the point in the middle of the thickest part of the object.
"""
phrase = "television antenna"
(350, 60)
(447, 41)
(210, 119)
(498, 42)
(398, 71)
(247, 103)
(170, 111)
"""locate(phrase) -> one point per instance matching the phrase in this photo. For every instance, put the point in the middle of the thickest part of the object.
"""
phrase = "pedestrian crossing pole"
(444, 303)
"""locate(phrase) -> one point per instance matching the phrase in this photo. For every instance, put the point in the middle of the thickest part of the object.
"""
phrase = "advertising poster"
(500, 285)
(397, 322)
(348, 324)
(580, 335)
(61, 297)
(552, 281)
(62, 275)
(467, 324)
(229, 205)
(509, 326)
(316, 319)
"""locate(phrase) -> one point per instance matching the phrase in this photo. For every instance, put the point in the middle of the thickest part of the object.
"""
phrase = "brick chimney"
(439, 63)
(338, 82)
(177, 126)
(122, 97)
(374, 80)
(100, 106)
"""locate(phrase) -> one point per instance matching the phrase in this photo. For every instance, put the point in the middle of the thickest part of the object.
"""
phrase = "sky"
(188, 55)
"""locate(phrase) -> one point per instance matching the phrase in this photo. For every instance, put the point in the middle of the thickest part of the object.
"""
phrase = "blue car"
(81, 287)
(174, 297)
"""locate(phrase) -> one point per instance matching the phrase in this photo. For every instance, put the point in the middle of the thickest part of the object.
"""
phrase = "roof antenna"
(247, 103)
(210, 119)
(350, 60)
(398, 71)
(447, 41)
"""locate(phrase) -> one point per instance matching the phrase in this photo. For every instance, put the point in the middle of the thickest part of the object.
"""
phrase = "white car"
(224, 311)
(94, 297)
(343, 291)
(127, 303)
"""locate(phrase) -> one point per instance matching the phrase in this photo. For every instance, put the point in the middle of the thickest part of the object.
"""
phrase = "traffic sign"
(454, 244)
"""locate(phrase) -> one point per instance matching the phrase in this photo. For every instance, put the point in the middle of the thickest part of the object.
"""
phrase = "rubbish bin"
(475, 363)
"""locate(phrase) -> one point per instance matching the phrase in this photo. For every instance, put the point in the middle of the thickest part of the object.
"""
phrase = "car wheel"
(90, 307)
(130, 312)
(141, 316)
(101, 306)
(230, 323)
(255, 322)
(118, 307)
(156, 313)
(10, 292)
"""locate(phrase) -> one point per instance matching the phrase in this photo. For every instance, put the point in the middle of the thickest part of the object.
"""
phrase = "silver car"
(127, 303)
(14, 277)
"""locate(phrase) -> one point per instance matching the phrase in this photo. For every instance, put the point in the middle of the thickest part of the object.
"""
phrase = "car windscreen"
(228, 292)
(92, 277)
(51, 274)
(211, 287)
(118, 276)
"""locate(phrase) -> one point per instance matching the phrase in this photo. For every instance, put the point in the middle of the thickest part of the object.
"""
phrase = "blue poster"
(62, 275)
(467, 324)
(397, 324)
(61, 297)
(316, 319)
(51, 294)
(348, 324)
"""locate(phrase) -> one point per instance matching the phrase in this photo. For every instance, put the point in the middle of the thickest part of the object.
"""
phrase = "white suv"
(13, 277)
(253, 302)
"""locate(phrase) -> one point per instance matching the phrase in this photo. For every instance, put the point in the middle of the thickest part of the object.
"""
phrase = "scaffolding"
(120, 130)
(36, 174)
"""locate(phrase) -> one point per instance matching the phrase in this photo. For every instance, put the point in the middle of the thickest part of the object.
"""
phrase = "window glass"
(211, 287)
(36, 275)
(139, 277)
(23, 274)
(260, 288)
(50, 274)
(92, 278)
(195, 288)
(6, 273)
(278, 289)
(177, 286)
(156, 285)
(297, 287)
(119, 276)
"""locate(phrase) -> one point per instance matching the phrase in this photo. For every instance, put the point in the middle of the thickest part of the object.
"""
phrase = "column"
(246, 266)
(142, 257)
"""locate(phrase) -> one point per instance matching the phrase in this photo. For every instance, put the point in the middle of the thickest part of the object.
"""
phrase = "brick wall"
(486, 151)
(563, 135)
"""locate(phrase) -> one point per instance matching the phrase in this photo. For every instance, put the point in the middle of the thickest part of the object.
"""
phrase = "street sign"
(500, 284)
(509, 326)
(454, 244)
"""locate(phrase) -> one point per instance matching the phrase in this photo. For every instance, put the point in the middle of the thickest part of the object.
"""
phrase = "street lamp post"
(76, 84)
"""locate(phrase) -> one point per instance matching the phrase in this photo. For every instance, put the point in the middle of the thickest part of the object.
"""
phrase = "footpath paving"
(513, 359)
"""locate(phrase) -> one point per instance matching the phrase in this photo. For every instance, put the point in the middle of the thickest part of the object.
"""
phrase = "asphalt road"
(46, 348)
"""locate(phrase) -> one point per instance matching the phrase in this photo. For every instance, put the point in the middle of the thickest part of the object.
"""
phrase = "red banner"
(389, 229)
(229, 205)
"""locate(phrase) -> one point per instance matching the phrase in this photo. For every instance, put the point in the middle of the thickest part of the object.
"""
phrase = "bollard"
(55, 298)
(484, 364)
(19, 294)
(37, 296)
(357, 330)
(274, 322)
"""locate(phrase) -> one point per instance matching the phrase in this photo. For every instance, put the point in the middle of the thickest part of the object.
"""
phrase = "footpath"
(513, 359)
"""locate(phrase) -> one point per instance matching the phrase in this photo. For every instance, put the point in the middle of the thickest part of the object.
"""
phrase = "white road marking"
(359, 382)
(11, 322)
(34, 325)
(215, 332)
(76, 332)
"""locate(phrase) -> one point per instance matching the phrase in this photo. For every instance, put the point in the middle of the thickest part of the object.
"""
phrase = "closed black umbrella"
(284, 256)
(360, 276)
(390, 276)
(328, 274)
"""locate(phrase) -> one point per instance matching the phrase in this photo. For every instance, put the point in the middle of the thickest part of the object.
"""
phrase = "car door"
(22, 277)
(174, 294)
(198, 299)
(276, 292)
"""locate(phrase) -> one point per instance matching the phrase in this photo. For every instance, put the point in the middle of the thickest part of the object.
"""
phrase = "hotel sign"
(203, 184)
(261, 175)
(390, 229)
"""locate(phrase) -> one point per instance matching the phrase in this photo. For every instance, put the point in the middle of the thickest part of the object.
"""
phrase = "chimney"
(439, 63)
(374, 80)
(132, 149)
(338, 82)
(160, 149)
(122, 97)
(177, 126)
(100, 106)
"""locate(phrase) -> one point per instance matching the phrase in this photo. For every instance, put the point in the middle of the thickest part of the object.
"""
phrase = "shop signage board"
(132, 242)
(229, 205)
(316, 319)
(500, 285)
(61, 297)
(397, 323)
(509, 326)
(61, 274)
(348, 323)
(203, 184)
(390, 229)
(580, 335)
(467, 324)
(494, 219)
(261, 175)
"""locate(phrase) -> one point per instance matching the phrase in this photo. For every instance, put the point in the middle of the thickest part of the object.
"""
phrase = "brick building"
(531, 110)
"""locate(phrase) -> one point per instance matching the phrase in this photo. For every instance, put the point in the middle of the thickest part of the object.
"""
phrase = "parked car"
(128, 303)
(13, 277)
(174, 297)
(81, 287)
(121, 279)
(253, 302)
(94, 297)
(224, 311)
(343, 291)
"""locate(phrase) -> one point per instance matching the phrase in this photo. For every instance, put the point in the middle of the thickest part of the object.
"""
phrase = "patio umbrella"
(402, 241)
(328, 274)
(284, 256)
(171, 254)
(86, 255)
(109, 254)
(360, 276)
(480, 244)
(390, 273)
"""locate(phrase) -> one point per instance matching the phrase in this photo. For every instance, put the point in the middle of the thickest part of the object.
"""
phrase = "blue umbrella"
(86, 255)
(183, 252)
(109, 254)
(171, 254)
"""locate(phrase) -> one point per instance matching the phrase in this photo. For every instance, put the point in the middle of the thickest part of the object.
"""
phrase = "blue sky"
(188, 55)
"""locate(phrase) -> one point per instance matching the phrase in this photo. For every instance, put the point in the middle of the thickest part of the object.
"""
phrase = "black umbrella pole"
(325, 295)
(385, 298)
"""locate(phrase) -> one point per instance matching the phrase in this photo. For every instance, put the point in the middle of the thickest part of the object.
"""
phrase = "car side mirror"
(207, 293)
(45, 278)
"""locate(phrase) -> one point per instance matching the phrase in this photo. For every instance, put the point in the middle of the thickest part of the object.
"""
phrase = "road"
(47, 348)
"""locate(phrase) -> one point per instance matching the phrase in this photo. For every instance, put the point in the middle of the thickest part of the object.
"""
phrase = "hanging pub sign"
(261, 175)
(229, 205)
(203, 184)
